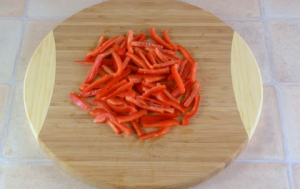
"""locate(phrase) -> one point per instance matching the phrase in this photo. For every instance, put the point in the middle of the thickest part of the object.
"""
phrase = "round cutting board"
(231, 101)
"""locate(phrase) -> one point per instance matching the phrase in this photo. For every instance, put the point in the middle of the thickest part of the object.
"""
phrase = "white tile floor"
(270, 27)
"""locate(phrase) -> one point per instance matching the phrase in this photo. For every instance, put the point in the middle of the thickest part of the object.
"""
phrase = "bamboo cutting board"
(231, 101)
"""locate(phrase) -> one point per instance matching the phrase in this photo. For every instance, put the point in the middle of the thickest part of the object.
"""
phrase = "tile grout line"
(12, 85)
(285, 143)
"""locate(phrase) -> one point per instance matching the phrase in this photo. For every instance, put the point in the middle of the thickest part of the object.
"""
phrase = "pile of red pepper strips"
(141, 83)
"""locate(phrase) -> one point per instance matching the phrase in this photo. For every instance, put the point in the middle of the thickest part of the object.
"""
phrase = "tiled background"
(270, 27)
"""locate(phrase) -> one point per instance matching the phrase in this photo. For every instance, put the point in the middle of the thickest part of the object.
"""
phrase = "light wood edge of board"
(247, 83)
(39, 83)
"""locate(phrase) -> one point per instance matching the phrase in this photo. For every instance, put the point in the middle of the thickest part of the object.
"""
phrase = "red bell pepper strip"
(165, 64)
(165, 51)
(109, 43)
(131, 117)
(133, 68)
(98, 82)
(137, 128)
(123, 47)
(129, 40)
(154, 134)
(186, 71)
(193, 94)
(107, 69)
(159, 40)
(165, 70)
(97, 111)
(143, 38)
(186, 54)
(138, 36)
(122, 109)
(153, 90)
(145, 44)
(145, 60)
(119, 63)
(114, 127)
(186, 95)
(168, 40)
(101, 72)
(154, 101)
(193, 72)
(163, 123)
(125, 87)
(167, 93)
(107, 116)
(79, 102)
(106, 91)
(138, 78)
(137, 60)
(177, 106)
(160, 55)
(100, 42)
(117, 101)
(117, 78)
(90, 93)
(151, 58)
(182, 66)
(92, 74)
(126, 62)
(185, 120)
(187, 85)
(102, 105)
(139, 104)
(83, 86)
(177, 79)
(129, 93)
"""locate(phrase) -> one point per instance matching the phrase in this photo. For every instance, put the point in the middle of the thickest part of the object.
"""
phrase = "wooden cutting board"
(231, 101)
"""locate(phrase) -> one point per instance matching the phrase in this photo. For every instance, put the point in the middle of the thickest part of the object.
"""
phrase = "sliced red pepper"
(186, 70)
(119, 63)
(97, 111)
(98, 82)
(160, 55)
(185, 120)
(187, 85)
(133, 69)
(167, 93)
(129, 93)
(139, 104)
(137, 128)
(177, 106)
(155, 101)
(83, 86)
(145, 44)
(114, 127)
(105, 91)
(137, 60)
(109, 43)
(145, 60)
(165, 64)
(186, 54)
(117, 78)
(122, 109)
(165, 70)
(163, 123)
(105, 116)
(194, 93)
(177, 79)
(101, 41)
(182, 66)
(126, 62)
(92, 74)
(131, 117)
(125, 87)
(168, 40)
(193, 72)
(79, 102)
(101, 72)
(159, 40)
(102, 105)
(129, 40)
(107, 69)
(143, 38)
(138, 78)
(186, 95)
(123, 47)
(117, 101)
(137, 37)
(151, 58)
(165, 51)
(154, 134)
(153, 90)
(90, 93)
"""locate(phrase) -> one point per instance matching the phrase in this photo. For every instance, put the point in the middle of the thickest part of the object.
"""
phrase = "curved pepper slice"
(154, 134)
(185, 120)
(79, 102)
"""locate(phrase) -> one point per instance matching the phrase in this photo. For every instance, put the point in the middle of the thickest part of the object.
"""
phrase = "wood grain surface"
(184, 157)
